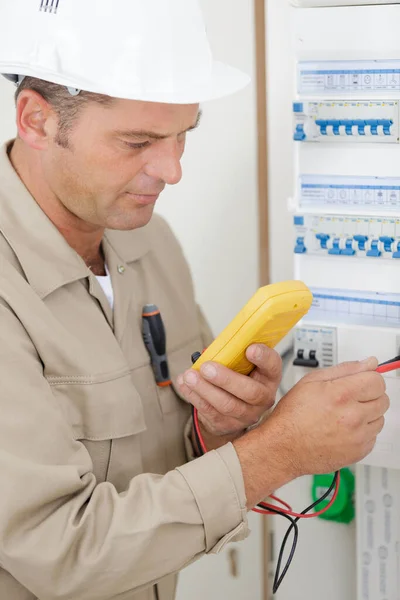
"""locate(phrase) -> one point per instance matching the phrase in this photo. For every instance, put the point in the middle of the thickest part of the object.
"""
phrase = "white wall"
(214, 214)
(214, 209)
(280, 61)
(7, 113)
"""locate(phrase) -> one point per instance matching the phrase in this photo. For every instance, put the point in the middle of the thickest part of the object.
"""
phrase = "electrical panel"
(346, 243)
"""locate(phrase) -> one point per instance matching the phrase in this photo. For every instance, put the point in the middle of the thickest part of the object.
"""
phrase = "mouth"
(144, 199)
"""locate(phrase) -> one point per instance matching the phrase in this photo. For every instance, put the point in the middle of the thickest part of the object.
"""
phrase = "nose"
(165, 161)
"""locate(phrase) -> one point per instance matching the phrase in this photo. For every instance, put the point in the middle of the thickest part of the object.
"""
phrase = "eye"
(137, 146)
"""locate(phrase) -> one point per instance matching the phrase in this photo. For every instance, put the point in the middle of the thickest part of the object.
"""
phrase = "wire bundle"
(266, 508)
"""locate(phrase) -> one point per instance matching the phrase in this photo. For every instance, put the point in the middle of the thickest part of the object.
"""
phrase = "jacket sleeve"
(63, 536)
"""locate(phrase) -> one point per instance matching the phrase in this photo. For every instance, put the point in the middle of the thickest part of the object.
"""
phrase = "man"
(102, 494)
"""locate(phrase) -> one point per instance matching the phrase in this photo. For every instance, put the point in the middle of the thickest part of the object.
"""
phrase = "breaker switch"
(323, 238)
(348, 126)
(300, 247)
(386, 123)
(348, 250)
(361, 240)
(335, 247)
(322, 126)
(374, 251)
(299, 134)
(332, 123)
(360, 126)
(387, 242)
(302, 360)
(397, 253)
(373, 123)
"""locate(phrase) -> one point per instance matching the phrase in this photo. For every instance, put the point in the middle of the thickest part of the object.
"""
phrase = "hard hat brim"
(223, 81)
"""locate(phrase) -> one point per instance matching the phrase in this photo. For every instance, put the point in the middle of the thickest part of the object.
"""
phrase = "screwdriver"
(155, 341)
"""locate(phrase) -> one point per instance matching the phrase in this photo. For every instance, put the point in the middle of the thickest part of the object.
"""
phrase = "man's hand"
(329, 420)
(334, 415)
(228, 402)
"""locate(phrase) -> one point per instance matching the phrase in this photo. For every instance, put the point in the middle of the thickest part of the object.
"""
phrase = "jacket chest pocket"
(101, 410)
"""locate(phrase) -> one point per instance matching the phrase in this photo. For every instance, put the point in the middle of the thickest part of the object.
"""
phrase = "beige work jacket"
(100, 497)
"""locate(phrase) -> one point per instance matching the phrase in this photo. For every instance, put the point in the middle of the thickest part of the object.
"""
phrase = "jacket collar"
(45, 256)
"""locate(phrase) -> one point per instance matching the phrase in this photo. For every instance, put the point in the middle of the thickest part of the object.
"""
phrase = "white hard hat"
(151, 50)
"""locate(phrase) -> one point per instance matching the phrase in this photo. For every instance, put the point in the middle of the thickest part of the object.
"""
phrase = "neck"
(83, 237)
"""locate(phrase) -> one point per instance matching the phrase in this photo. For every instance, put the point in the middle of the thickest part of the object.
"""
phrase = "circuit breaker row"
(356, 121)
(333, 235)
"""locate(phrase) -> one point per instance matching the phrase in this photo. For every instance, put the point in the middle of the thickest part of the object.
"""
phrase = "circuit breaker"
(315, 346)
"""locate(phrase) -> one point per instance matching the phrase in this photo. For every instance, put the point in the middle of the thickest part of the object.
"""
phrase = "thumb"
(344, 370)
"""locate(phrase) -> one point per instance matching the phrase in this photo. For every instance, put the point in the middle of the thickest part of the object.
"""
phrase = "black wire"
(279, 577)
(293, 525)
(395, 359)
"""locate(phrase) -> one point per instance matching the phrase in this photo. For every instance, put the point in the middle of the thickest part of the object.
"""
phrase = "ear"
(36, 120)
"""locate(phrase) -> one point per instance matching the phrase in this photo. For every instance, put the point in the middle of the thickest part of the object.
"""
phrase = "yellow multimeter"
(268, 316)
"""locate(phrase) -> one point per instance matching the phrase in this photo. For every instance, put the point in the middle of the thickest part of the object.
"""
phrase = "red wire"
(265, 504)
(388, 367)
(312, 515)
(280, 502)
(197, 426)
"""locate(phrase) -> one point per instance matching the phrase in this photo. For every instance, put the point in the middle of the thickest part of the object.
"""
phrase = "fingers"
(375, 409)
(248, 389)
(267, 361)
(230, 401)
(343, 370)
(196, 388)
(212, 419)
(197, 401)
(362, 387)
(376, 427)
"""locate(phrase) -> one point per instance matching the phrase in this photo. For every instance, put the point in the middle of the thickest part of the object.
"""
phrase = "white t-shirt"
(105, 282)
